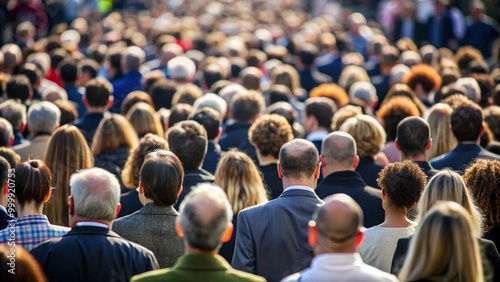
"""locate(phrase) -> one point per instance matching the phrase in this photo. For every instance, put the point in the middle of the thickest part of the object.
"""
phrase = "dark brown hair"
(188, 140)
(33, 181)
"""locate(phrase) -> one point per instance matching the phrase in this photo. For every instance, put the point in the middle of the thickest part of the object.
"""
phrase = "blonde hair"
(444, 247)
(448, 185)
(367, 132)
(144, 120)
(241, 180)
(439, 121)
(67, 153)
(114, 131)
(288, 76)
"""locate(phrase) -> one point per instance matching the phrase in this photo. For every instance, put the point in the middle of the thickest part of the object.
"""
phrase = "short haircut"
(466, 122)
(212, 74)
(68, 110)
(322, 109)
(246, 106)
(43, 117)
(181, 68)
(209, 119)
(133, 58)
(19, 87)
(4, 171)
(423, 75)
(96, 194)
(33, 181)
(204, 229)
(403, 182)
(307, 54)
(6, 132)
(10, 155)
(368, 132)
(339, 148)
(98, 91)
(178, 113)
(268, 134)
(14, 112)
(298, 158)
(162, 93)
(188, 140)
(333, 92)
(187, 94)
(492, 118)
(213, 101)
(134, 98)
(161, 176)
(89, 66)
(32, 72)
(413, 134)
(395, 110)
(68, 71)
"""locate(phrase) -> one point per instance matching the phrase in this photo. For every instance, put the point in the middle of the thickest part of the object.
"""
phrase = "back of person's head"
(133, 58)
(444, 247)
(438, 118)
(162, 93)
(467, 122)
(268, 133)
(213, 101)
(181, 69)
(403, 183)
(88, 68)
(4, 172)
(389, 56)
(395, 110)
(188, 140)
(178, 113)
(465, 55)
(298, 159)
(331, 91)
(250, 78)
(53, 93)
(351, 74)
(114, 131)
(10, 156)
(133, 98)
(321, 109)
(247, 106)
(33, 181)
(209, 119)
(286, 75)
(364, 91)
(69, 113)
(472, 90)
(447, 185)
(19, 87)
(43, 117)
(413, 136)
(143, 119)
(32, 72)
(339, 150)
(14, 112)
(211, 74)
(307, 54)
(205, 215)
(344, 113)
(404, 90)
(6, 133)
(12, 56)
(161, 177)
(187, 94)
(147, 144)
(398, 72)
(98, 92)
(240, 178)
(95, 193)
(284, 109)
(425, 76)
(368, 134)
(68, 71)
(25, 266)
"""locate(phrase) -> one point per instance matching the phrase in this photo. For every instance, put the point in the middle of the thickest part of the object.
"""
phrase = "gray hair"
(133, 58)
(54, 93)
(213, 101)
(43, 117)
(14, 112)
(473, 91)
(365, 91)
(96, 194)
(204, 216)
(181, 68)
(398, 72)
(5, 132)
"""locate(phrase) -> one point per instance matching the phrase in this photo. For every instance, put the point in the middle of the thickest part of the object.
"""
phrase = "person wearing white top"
(335, 234)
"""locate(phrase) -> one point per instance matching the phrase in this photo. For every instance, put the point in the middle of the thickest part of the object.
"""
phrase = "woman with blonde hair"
(67, 152)
(444, 247)
(443, 140)
(114, 139)
(144, 120)
(288, 76)
(370, 139)
(238, 176)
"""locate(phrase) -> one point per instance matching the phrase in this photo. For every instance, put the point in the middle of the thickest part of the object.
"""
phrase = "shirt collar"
(91, 223)
(300, 187)
(335, 260)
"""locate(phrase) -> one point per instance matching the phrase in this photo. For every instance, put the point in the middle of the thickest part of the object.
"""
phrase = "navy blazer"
(369, 169)
(460, 157)
(350, 183)
(4, 219)
(193, 177)
(427, 169)
(89, 253)
(272, 238)
(212, 157)
(88, 124)
(236, 136)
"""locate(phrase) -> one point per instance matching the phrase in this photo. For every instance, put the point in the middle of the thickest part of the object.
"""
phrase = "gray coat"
(154, 228)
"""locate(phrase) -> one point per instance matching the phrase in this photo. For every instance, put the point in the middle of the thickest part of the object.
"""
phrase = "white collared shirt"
(91, 223)
(300, 187)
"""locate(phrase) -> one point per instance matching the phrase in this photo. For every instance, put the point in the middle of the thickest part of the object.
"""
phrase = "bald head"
(339, 150)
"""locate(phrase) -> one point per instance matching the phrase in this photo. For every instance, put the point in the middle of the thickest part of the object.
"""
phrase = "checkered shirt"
(30, 231)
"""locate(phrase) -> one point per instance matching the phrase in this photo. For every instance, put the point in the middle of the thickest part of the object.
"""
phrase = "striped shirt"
(30, 230)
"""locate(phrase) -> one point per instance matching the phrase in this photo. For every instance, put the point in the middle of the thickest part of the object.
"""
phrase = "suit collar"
(202, 262)
(424, 165)
(297, 192)
(151, 208)
(467, 147)
(91, 230)
(346, 177)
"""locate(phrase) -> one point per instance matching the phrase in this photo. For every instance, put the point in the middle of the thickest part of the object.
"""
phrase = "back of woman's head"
(394, 111)
(439, 121)
(268, 133)
(367, 132)
(25, 266)
(114, 131)
(33, 181)
(241, 180)
(144, 120)
(444, 247)
(448, 185)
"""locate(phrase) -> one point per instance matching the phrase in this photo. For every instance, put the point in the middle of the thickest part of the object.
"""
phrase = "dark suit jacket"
(447, 33)
(130, 203)
(212, 157)
(351, 183)
(154, 228)
(460, 157)
(130, 81)
(77, 98)
(427, 169)
(4, 219)
(272, 181)
(90, 253)
(489, 254)
(369, 169)
(236, 136)
(310, 78)
(193, 177)
(88, 125)
(272, 239)
(332, 68)
(196, 268)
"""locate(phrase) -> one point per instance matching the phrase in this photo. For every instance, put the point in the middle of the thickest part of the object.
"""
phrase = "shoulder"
(155, 275)
(370, 273)
(238, 275)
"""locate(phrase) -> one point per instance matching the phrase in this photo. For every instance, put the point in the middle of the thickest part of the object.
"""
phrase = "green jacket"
(195, 268)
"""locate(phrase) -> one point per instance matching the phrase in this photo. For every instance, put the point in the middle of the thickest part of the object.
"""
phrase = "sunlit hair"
(483, 179)
(241, 180)
(423, 75)
(367, 132)
(114, 131)
(332, 91)
(268, 133)
(393, 112)
(143, 119)
(351, 74)
(286, 75)
(448, 185)
(444, 247)
(443, 140)
(26, 266)
(404, 90)
(67, 152)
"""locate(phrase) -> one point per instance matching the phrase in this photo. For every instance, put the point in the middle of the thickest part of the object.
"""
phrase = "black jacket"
(193, 177)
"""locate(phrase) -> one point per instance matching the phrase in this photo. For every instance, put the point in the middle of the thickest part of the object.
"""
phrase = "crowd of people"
(249, 140)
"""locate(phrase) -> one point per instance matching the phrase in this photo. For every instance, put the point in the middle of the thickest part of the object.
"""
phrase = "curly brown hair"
(403, 182)
(424, 75)
(394, 111)
(483, 180)
(467, 54)
(269, 133)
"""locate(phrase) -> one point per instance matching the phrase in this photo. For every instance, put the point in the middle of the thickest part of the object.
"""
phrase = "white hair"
(181, 68)
(398, 72)
(473, 91)
(364, 91)
(43, 117)
(133, 58)
(43, 59)
(53, 93)
(6, 132)
(227, 93)
(213, 101)
(96, 194)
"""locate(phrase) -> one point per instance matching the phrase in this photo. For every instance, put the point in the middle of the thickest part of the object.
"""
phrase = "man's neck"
(419, 158)
(76, 219)
(91, 110)
(288, 182)
(327, 170)
(194, 251)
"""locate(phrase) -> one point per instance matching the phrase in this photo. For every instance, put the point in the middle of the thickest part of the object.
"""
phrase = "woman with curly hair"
(425, 82)
(267, 134)
(483, 180)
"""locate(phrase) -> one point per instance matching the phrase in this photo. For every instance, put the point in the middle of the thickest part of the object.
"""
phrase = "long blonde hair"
(444, 247)
(239, 177)
(114, 131)
(443, 140)
(67, 152)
